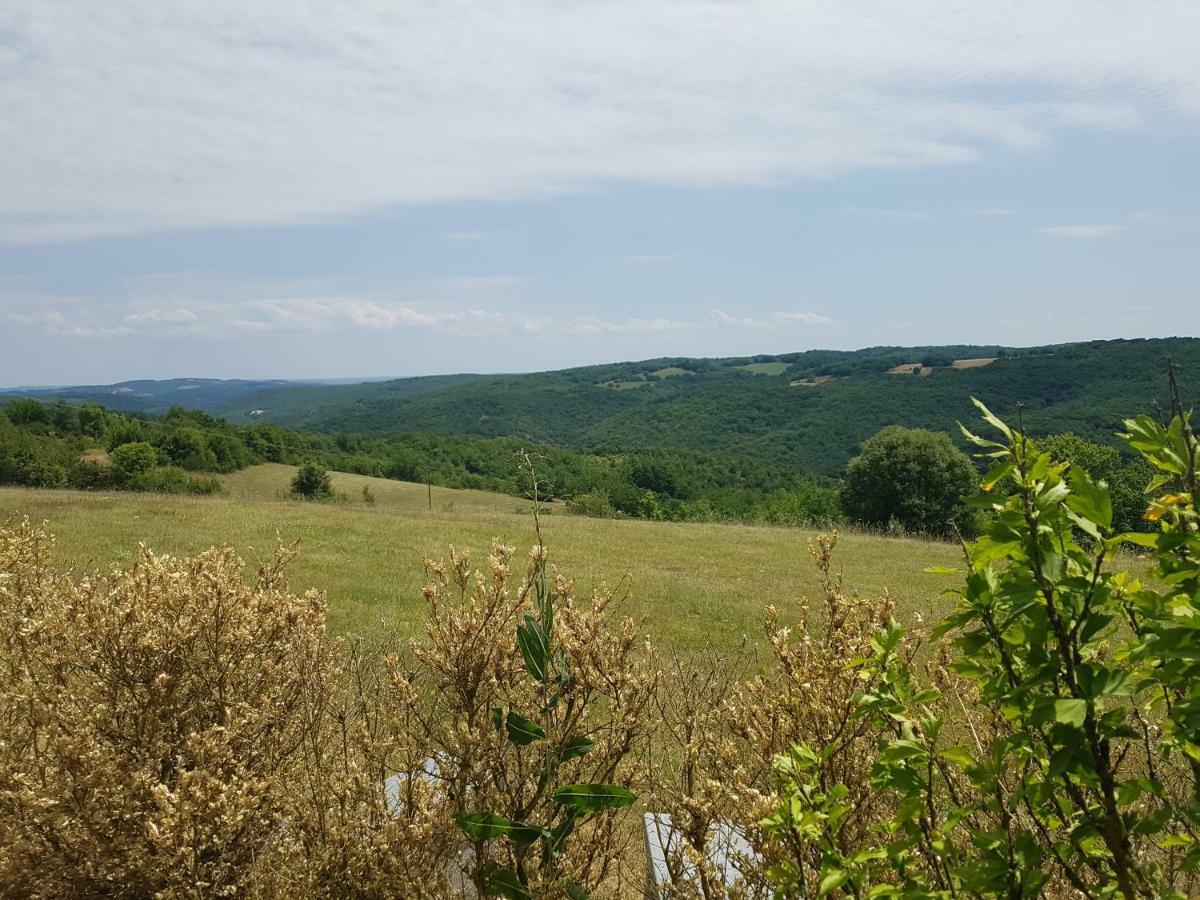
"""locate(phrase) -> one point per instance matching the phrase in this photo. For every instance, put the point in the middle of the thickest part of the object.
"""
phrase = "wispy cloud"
(801, 318)
(593, 325)
(720, 317)
(317, 315)
(463, 236)
(1081, 231)
(356, 106)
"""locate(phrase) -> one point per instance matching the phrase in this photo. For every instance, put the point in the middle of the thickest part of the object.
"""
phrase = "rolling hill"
(808, 411)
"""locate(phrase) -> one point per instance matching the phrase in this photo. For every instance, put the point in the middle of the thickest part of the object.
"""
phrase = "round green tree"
(912, 477)
(312, 483)
(133, 459)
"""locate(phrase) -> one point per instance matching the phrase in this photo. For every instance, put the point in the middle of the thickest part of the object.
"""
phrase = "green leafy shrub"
(133, 460)
(312, 483)
(917, 477)
(1058, 751)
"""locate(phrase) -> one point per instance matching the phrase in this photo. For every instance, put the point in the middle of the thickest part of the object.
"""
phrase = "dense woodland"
(733, 408)
(89, 447)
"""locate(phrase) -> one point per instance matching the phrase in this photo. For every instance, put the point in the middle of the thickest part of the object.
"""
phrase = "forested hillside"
(806, 411)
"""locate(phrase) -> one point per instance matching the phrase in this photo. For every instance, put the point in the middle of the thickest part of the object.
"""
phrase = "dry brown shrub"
(152, 720)
(448, 686)
(727, 732)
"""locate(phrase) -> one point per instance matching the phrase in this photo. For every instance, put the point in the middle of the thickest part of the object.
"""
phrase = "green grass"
(690, 585)
(670, 372)
(766, 368)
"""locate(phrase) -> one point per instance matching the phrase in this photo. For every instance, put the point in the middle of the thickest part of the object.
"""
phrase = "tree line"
(903, 479)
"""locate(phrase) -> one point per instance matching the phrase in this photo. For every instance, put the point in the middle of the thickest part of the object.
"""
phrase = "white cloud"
(801, 318)
(163, 317)
(1081, 231)
(223, 113)
(219, 320)
(720, 317)
(593, 325)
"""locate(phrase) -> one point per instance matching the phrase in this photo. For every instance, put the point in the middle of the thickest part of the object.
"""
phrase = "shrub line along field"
(691, 585)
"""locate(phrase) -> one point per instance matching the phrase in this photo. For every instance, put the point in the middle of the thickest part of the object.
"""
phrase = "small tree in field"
(134, 459)
(915, 477)
(312, 483)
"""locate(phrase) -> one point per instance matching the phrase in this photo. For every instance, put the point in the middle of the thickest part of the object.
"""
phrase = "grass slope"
(690, 585)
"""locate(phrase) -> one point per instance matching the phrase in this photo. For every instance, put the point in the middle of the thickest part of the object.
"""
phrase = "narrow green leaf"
(534, 646)
(484, 826)
(591, 797)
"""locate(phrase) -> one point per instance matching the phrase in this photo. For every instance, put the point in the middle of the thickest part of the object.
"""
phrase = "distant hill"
(809, 411)
(152, 397)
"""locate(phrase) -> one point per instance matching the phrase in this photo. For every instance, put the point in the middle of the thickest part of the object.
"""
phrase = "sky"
(232, 188)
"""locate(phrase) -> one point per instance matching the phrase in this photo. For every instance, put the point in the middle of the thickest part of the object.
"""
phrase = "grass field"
(690, 585)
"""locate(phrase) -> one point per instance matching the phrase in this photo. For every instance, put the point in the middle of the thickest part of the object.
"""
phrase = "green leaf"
(591, 797)
(1070, 712)
(960, 756)
(484, 826)
(577, 747)
(523, 731)
(831, 881)
(534, 645)
(1089, 499)
(992, 419)
(1141, 539)
(995, 475)
(498, 882)
(558, 836)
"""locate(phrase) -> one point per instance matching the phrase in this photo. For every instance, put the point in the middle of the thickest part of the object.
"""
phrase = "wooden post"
(429, 487)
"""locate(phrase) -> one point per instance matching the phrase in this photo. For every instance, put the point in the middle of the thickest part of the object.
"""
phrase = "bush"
(916, 477)
(132, 460)
(593, 505)
(312, 483)
(154, 721)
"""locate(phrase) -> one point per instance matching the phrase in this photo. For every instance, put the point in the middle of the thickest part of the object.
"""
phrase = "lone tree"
(912, 476)
(312, 483)
(133, 459)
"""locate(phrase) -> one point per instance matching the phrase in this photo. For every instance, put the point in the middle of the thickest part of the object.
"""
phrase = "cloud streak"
(222, 320)
(227, 114)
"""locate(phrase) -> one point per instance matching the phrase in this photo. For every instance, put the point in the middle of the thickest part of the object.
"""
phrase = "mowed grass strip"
(691, 586)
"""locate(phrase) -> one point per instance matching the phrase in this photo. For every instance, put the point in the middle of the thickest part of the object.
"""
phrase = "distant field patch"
(911, 369)
(767, 368)
(811, 382)
(670, 372)
(974, 363)
(625, 385)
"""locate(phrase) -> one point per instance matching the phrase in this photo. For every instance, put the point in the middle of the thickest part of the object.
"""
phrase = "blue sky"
(206, 190)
